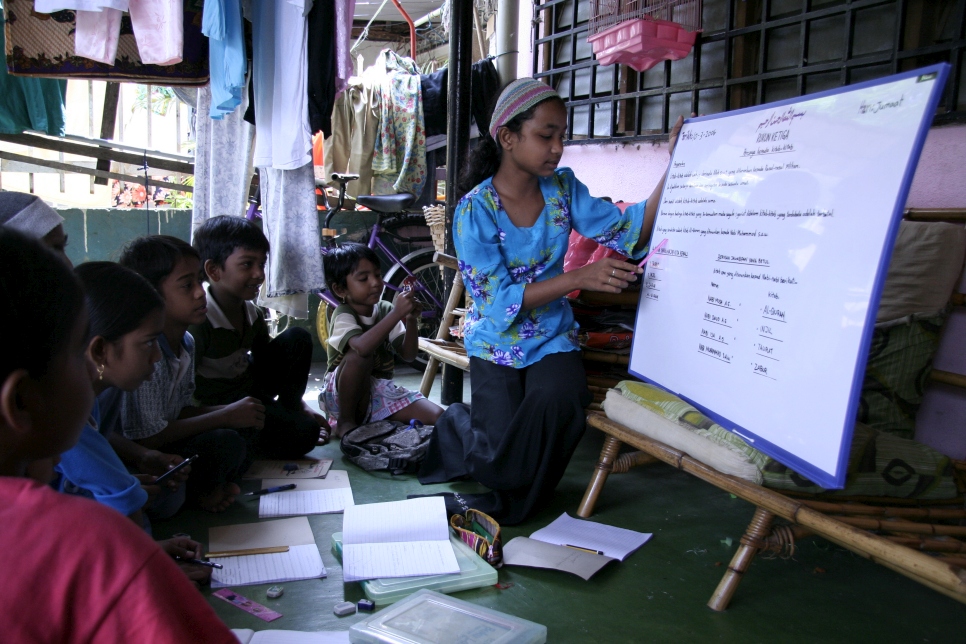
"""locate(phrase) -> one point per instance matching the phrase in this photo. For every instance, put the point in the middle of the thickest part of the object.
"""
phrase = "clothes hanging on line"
(158, 28)
(43, 45)
(484, 85)
(30, 103)
(399, 157)
(344, 65)
(222, 23)
(321, 65)
(354, 122)
(280, 68)
(223, 163)
(291, 223)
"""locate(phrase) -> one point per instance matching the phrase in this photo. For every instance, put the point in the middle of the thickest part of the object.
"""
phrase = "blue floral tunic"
(497, 259)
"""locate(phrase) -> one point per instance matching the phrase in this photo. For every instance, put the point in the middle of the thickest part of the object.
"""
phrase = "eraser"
(366, 604)
(274, 592)
(344, 608)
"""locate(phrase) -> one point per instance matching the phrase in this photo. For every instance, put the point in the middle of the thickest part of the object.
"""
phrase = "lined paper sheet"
(299, 503)
(613, 542)
(300, 562)
(397, 539)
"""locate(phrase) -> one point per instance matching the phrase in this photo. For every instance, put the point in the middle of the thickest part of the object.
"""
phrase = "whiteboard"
(780, 221)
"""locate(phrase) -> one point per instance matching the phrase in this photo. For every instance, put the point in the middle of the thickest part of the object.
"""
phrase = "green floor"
(822, 594)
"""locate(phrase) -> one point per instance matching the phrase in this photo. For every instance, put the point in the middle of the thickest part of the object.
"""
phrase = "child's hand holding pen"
(157, 463)
(185, 552)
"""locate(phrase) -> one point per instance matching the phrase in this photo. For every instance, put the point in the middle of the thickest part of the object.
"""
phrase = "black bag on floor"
(388, 445)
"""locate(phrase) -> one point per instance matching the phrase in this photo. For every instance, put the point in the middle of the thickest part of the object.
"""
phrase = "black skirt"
(516, 438)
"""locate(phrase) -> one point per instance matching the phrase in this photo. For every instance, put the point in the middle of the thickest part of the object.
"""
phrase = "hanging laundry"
(354, 124)
(223, 163)
(222, 23)
(30, 103)
(291, 223)
(42, 45)
(280, 68)
(484, 85)
(321, 65)
(157, 24)
(399, 157)
(344, 67)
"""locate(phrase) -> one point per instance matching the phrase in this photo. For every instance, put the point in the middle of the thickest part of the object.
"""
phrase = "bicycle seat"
(340, 177)
(387, 203)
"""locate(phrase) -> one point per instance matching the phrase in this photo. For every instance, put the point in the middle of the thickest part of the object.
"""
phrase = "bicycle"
(417, 267)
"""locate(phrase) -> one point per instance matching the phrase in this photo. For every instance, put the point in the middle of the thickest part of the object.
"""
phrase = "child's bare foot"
(342, 428)
(323, 437)
(220, 498)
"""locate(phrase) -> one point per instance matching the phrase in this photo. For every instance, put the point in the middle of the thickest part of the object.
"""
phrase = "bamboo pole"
(930, 545)
(607, 358)
(911, 563)
(948, 377)
(899, 525)
(604, 466)
(751, 543)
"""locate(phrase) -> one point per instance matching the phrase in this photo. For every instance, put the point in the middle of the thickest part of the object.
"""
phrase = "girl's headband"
(518, 97)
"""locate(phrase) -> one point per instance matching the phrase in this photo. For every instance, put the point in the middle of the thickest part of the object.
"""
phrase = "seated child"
(159, 413)
(364, 332)
(126, 315)
(235, 357)
(100, 577)
(35, 219)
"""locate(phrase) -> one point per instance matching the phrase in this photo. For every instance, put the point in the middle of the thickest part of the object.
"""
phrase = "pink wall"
(629, 171)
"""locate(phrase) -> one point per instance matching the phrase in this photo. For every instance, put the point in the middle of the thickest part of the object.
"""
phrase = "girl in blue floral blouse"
(511, 232)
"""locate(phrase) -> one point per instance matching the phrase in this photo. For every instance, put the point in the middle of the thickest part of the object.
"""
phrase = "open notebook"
(301, 561)
(397, 539)
(311, 496)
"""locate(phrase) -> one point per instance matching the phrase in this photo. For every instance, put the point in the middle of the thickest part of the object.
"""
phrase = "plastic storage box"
(474, 573)
(427, 617)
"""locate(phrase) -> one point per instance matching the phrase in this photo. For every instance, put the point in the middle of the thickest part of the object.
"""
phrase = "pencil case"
(481, 533)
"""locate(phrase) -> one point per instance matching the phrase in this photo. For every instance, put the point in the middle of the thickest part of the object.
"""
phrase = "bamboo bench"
(442, 348)
(945, 574)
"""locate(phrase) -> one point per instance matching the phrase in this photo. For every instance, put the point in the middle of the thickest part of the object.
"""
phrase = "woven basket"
(436, 220)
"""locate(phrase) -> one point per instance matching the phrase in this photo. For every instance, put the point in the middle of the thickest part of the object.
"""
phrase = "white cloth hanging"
(158, 28)
(280, 69)
(223, 162)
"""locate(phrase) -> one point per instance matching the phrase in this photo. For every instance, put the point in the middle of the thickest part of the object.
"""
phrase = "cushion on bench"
(880, 464)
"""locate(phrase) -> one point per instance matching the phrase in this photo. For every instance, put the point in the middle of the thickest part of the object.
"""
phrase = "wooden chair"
(443, 348)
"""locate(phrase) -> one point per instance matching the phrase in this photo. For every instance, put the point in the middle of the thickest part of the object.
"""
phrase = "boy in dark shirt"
(235, 357)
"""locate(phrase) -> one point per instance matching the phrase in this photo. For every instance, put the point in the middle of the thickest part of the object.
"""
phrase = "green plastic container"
(474, 573)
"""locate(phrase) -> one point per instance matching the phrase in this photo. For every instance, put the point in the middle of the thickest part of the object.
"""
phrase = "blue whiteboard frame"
(834, 480)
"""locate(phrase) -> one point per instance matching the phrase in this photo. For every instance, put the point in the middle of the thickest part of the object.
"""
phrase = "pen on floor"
(201, 562)
(269, 490)
(654, 250)
(590, 550)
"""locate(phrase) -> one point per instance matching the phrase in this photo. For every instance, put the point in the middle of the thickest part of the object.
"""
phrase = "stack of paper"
(311, 496)
(575, 546)
(397, 539)
(301, 561)
(308, 468)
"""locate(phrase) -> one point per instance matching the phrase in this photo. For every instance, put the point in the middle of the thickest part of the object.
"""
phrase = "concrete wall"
(100, 234)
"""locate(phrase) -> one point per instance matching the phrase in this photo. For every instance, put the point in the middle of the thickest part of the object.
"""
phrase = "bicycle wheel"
(430, 274)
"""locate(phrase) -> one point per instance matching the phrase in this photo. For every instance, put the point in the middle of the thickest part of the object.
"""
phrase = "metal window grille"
(750, 52)
(604, 14)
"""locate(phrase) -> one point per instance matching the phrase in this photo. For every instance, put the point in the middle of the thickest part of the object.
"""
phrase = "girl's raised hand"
(609, 275)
